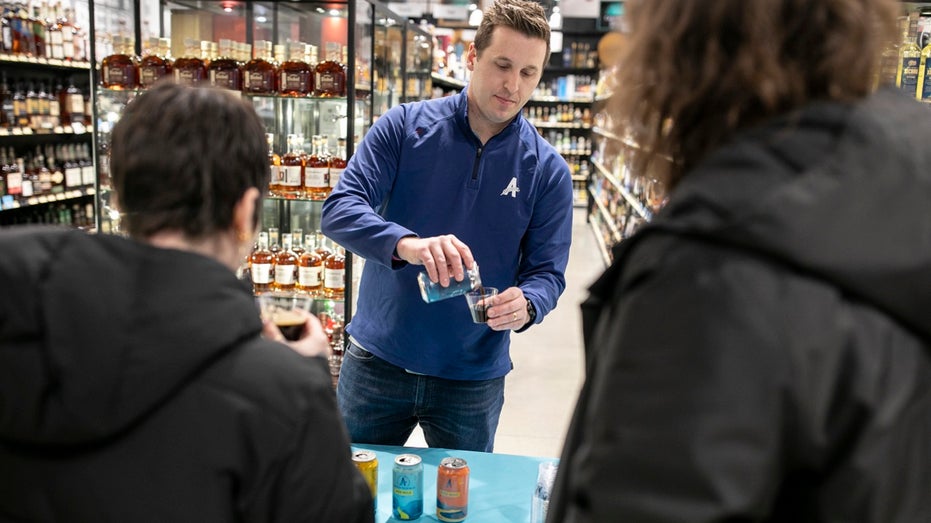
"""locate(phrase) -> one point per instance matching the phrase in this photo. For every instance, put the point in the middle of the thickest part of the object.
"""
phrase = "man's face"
(503, 78)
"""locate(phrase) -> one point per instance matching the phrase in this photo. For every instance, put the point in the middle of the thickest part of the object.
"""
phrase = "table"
(500, 485)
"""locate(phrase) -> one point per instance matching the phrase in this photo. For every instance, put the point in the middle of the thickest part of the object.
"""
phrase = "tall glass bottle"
(71, 105)
(310, 269)
(118, 71)
(338, 162)
(156, 64)
(909, 63)
(261, 263)
(190, 69)
(274, 166)
(334, 274)
(329, 74)
(285, 266)
(7, 117)
(260, 75)
(316, 171)
(295, 76)
(291, 179)
(225, 71)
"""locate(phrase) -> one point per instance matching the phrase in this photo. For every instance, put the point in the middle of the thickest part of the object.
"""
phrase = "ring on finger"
(515, 317)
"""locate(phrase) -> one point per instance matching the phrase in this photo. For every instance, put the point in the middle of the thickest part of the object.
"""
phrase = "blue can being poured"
(431, 292)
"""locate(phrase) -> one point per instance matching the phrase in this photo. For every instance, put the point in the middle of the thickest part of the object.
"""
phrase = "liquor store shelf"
(559, 125)
(631, 199)
(67, 130)
(594, 221)
(138, 90)
(608, 220)
(45, 198)
(8, 59)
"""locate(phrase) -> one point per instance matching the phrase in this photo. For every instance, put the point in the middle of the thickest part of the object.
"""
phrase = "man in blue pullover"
(438, 186)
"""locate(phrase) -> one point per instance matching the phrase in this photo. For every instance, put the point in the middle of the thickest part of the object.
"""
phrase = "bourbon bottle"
(274, 165)
(260, 75)
(261, 263)
(330, 75)
(285, 266)
(334, 274)
(118, 71)
(316, 184)
(190, 69)
(291, 177)
(338, 162)
(156, 64)
(310, 269)
(225, 71)
(296, 78)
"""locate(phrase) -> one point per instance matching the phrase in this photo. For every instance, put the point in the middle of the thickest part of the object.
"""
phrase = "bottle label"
(334, 278)
(275, 174)
(309, 277)
(76, 102)
(87, 175)
(315, 177)
(261, 273)
(284, 274)
(290, 175)
(14, 183)
(334, 176)
(112, 75)
(299, 82)
(73, 177)
(28, 189)
(910, 75)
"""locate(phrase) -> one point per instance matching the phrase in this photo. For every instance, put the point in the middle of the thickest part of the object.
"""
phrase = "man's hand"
(313, 340)
(443, 257)
(508, 310)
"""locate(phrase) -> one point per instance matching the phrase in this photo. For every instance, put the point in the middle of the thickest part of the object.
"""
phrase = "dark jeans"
(382, 403)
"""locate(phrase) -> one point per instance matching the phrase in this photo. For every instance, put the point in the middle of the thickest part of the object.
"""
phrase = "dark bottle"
(260, 75)
(156, 64)
(296, 77)
(118, 71)
(330, 75)
(225, 71)
(190, 69)
(7, 118)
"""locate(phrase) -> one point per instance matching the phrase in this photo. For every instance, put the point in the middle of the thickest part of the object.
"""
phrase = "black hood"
(838, 191)
(97, 331)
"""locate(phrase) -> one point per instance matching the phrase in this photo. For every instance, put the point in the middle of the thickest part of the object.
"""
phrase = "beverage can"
(431, 292)
(452, 490)
(367, 463)
(407, 487)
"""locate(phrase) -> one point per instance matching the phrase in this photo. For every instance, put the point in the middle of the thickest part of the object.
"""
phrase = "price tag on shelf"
(32, 201)
(77, 127)
(42, 199)
(27, 131)
(60, 196)
(32, 60)
(4, 132)
(59, 130)
(55, 61)
(17, 131)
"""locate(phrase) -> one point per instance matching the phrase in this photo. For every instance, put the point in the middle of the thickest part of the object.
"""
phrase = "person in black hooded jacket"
(761, 350)
(135, 380)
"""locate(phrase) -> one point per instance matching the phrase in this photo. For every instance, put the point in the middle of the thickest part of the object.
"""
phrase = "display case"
(45, 133)
(336, 69)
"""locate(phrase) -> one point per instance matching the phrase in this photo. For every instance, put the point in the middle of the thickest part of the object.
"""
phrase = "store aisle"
(540, 392)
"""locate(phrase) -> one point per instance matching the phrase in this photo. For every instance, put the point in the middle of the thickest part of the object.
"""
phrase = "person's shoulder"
(272, 378)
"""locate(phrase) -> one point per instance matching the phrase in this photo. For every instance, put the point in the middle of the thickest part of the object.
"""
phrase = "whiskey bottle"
(190, 69)
(923, 91)
(330, 75)
(261, 263)
(7, 119)
(334, 274)
(909, 63)
(316, 184)
(274, 166)
(53, 35)
(285, 266)
(71, 103)
(291, 177)
(118, 71)
(156, 64)
(260, 75)
(338, 162)
(310, 269)
(296, 78)
(225, 71)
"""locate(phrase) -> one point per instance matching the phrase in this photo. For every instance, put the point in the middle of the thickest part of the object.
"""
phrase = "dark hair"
(696, 71)
(524, 16)
(181, 157)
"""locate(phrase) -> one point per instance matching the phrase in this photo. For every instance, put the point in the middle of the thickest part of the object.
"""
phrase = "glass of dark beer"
(282, 308)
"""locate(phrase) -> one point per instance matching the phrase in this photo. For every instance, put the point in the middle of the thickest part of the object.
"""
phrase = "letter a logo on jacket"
(511, 188)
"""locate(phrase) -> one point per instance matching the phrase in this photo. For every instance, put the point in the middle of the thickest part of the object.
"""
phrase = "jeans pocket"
(358, 352)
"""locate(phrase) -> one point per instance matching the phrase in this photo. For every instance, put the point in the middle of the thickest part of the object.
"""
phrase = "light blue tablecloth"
(500, 485)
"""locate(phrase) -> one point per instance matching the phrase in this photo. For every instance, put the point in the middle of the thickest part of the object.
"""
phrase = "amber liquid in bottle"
(316, 172)
(310, 269)
(338, 162)
(261, 263)
(295, 77)
(274, 165)
(189, 69)
(330, 75)
(334, 274)
(291, 178)
(225, 71)
(118, 71)
(260, 75)
(156, 64)
(285, 266)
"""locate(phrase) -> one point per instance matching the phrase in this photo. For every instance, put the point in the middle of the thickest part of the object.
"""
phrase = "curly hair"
(694, 72)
